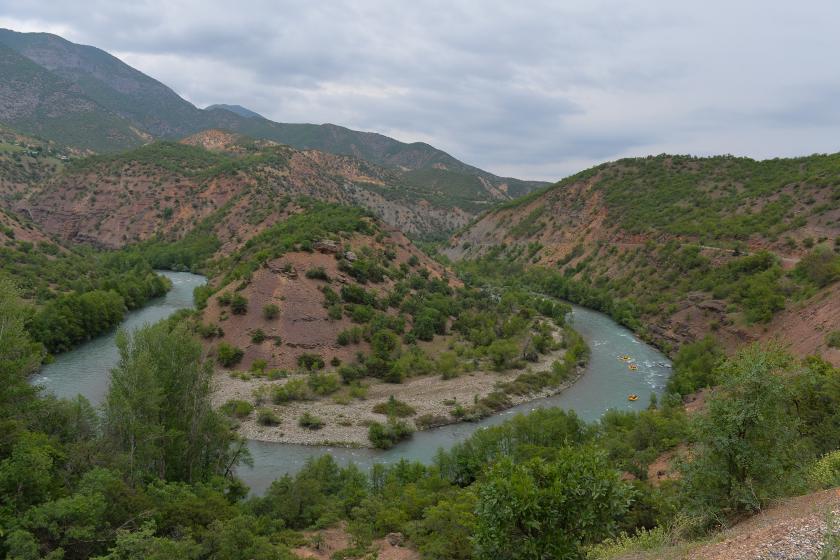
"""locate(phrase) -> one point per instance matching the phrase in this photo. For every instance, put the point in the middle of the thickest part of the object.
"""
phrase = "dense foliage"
(78, 294)
(153, 477)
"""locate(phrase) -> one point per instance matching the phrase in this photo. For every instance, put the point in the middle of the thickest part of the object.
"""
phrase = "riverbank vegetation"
(77, 294)
(656, 280)
(153, 477)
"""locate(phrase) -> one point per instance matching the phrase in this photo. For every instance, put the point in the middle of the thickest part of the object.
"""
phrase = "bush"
(310, 362)
(694, 366)
(351, 372)
(825, 473)
(239, 305)
(323, 383)
(266, 417)
(270, 311)
(257, 336)
(318, 273)
(821, 266)
(428, 421)
(832, 339)
(394, 407)
(292, 390)
(228, 355)
(236, 408)
(386, 436)
(310, 421)
(352, 335)
(209, 331)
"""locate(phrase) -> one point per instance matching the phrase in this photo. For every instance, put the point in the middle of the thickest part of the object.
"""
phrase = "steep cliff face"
(696, 245)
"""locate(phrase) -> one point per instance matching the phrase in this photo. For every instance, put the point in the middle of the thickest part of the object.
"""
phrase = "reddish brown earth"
(324, 543)
(576, 215)
(303, 324)
(122, 201)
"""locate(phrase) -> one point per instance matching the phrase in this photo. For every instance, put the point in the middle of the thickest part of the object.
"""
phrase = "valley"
(228, 338)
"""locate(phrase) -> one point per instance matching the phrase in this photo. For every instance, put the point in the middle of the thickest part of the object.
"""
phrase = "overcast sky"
(524, 88)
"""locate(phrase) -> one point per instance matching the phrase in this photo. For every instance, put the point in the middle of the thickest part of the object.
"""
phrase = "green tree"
(820, 266)
(694, 366)
(19, 356)
(542, 509)
(158, 412)
(747, 440)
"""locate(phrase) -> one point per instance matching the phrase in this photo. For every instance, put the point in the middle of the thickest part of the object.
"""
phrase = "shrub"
(394, 407)
(351, 372)
(821, 266)
(832, 339)
(228, 355)
(224, 299)
(270, 311)
(239, 305)
(209, 331)
(266, 417)
(293, 390)
(323, 383)
(310, 421)
(352, 335)
(358, 391)
(257, 336)
(318, 273)
(236, 408)
(386, 436)
(310, 362)
(428, 421)
(825, 473)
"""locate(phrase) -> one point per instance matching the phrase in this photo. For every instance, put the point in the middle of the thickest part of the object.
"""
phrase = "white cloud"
(535, 89)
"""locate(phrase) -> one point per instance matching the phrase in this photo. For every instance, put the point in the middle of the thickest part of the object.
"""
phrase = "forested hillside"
(680, 247)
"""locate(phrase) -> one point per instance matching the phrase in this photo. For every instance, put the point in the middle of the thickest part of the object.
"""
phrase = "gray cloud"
(535, 89)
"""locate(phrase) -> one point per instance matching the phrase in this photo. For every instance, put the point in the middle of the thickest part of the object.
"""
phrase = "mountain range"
(82, 97)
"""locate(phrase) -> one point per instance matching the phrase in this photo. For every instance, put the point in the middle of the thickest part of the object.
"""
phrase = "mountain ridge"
(137, 109)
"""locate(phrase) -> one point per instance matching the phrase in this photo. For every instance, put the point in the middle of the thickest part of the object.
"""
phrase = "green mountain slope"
(97, 102)
(678, 247)
(37, 101)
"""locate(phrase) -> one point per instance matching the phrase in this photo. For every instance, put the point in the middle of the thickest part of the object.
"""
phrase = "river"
(606, 384)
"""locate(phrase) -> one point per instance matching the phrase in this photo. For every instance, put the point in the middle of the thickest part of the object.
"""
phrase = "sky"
(529, 89)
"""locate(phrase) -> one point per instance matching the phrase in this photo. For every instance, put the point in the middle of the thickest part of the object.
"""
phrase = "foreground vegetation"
(154, 476)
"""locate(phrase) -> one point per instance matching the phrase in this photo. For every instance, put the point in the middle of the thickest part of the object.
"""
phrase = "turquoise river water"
(606, 384)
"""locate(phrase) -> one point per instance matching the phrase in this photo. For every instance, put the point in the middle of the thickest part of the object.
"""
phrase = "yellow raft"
(632, 397)
(633, 367)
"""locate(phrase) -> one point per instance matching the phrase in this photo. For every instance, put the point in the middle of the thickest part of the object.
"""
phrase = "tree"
(542, 509)
(747, 440)
(19, 356)
(694, 366)
(820, 266)
(502, 352)
(158, 412)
